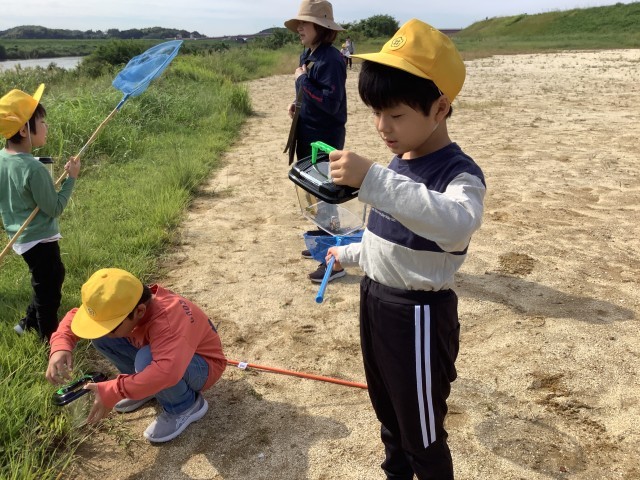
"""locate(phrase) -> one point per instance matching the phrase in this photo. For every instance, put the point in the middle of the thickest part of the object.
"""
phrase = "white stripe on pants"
(424, 361)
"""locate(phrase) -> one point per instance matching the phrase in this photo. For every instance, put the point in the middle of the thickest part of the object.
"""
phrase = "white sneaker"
(168, 426)
(18, 329)
(127, 405)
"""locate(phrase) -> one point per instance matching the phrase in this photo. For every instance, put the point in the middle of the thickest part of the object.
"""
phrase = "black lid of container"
(314, 179)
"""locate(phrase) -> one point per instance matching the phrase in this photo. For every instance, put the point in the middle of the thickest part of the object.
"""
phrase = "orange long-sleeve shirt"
(175, 329)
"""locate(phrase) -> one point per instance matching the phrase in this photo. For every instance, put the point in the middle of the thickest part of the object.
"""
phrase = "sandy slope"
(548, 384)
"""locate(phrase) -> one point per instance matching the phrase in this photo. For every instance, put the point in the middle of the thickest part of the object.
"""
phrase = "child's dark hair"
(39, 112)
(383, 87)
(325, 35)
(146, 295)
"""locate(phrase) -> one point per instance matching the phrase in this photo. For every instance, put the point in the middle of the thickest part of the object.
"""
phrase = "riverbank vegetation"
(596, 28)
(135, 184)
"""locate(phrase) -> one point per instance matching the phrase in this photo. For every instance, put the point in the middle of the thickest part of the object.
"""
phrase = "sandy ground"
(548, 381)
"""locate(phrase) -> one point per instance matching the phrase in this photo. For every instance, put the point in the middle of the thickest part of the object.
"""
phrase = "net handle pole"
(292, 373)
(327, 274)
(6, 249)
(35, 211)
(95, 134)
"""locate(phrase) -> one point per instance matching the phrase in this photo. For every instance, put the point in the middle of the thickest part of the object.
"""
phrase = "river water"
(67, 63)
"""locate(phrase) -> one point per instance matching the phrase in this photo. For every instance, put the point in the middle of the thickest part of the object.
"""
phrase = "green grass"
(616, 26)
(612, 27)
(17, 49)
(135, 184)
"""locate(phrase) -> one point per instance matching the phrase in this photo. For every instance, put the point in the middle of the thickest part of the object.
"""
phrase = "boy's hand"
(292, 110)
(59, 368)
(333, 252)
(72, 167)
(348, 168)
(98, 410)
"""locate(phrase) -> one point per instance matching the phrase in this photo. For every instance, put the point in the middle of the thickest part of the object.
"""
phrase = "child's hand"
(72, 167)
(98, 409)
(333, 253)
(348, 168)
(292, 110)
(60, 366)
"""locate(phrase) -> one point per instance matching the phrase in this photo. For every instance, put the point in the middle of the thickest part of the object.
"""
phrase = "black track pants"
(410, 343)
(47, 276)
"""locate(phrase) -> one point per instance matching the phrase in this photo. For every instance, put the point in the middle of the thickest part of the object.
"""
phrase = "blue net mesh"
(318, 244)
(142, 69)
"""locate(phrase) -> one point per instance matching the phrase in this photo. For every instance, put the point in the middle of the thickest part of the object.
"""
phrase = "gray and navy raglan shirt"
(423, 214)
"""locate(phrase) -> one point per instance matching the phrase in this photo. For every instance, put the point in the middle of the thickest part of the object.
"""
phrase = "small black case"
(74, 390)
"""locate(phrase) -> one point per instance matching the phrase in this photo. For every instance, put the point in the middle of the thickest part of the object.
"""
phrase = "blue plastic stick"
(327, 274)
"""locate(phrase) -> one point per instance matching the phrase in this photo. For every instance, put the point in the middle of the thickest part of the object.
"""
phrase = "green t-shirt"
(24, 185)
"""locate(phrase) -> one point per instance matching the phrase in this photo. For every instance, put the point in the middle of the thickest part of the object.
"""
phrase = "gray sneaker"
(127, 405)
(168, 426)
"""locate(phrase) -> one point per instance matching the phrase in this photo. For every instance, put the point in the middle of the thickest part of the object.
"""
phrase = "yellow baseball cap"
(108, 297)
(16, 108)
(426, 52)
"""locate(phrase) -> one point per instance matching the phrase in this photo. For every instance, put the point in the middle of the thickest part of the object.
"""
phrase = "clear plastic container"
(335, 219)
(47, 162)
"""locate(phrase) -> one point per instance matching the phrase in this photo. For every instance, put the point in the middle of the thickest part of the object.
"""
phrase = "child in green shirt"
(25, 184)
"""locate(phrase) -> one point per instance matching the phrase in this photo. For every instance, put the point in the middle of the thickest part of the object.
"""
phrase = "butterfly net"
(144, 68)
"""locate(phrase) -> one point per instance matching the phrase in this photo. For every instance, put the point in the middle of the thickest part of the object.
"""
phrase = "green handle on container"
(315, 146)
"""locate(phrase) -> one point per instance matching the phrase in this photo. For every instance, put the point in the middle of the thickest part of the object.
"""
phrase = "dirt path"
(548, 384)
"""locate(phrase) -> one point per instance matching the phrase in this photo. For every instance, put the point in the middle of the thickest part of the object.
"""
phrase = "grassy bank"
(612, 27)
(134, 186)
(21, 49)
(616, 26)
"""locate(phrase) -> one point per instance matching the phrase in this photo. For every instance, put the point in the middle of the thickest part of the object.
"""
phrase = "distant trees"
(279, 38)
(372, 27)
(375, 26)
(37, 32)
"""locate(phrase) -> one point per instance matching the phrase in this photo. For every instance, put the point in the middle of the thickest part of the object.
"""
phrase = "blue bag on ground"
(318, 242)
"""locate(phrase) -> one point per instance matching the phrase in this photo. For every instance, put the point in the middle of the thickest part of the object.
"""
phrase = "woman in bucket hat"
(320, 88)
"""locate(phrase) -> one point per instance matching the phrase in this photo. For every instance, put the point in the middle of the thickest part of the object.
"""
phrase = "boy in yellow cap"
(25, 184)
(164, 346)
(425, 206)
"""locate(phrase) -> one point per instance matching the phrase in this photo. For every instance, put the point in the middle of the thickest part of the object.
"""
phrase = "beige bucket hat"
(319, 12)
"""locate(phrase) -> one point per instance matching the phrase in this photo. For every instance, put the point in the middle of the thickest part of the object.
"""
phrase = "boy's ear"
(24, 131)
(442, 105)
(139, 311)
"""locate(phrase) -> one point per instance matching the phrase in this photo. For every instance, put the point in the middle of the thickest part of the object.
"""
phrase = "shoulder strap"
(292, 140)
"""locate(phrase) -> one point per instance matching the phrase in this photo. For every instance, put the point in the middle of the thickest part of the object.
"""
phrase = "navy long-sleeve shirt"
(324, 103)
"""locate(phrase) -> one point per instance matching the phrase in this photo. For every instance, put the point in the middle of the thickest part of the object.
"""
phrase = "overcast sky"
(234, 17)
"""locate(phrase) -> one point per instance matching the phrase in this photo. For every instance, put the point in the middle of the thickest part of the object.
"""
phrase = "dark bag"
(293, 139)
